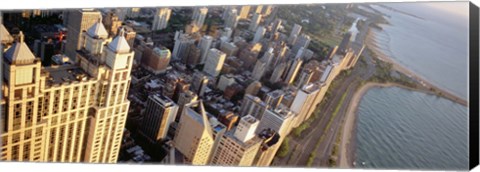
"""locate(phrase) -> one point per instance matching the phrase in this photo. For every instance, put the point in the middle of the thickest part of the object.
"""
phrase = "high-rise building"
(245, 130)
(302, 42)
(304, 101)
(74, 117)
(200, 82)
(204, 45)
(182, 44)
(170, 86)
(78, 21)
(195, 135)
(133, 12)
(227, 33)
(226, 10)
(269, 147)
(268, 58)
(259, 34)
(259, 9)
(112, 23)
(279, 119)
(130, 35)
(228, 118)
(229, 48)
(267, 10)
(252, 105)
(255, 21)
(305, 78)
(278, 72)
(244, 11)
(293, 71)
(240, 147)
(158, 115)
(156, 60)
(161, 18)
(274, 98)
(183, 99)
(199, 15)
(253, 88)
(259, 69)
(232, 19)
(276, 25)
(225, 81)
(214, 62)
(294, 33)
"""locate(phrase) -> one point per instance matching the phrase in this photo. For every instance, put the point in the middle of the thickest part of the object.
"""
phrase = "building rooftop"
(98, 30)
(326, 73)
(19, 53)
(252, 142)
(65, 73)
(119, 44)
(310, 88)
(5, 35)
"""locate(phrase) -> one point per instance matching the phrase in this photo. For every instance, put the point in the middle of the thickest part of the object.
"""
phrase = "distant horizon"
(459, 8)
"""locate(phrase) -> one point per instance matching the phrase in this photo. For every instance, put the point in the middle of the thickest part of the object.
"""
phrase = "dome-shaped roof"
(119, 43)
(19, 53)
(98, 30)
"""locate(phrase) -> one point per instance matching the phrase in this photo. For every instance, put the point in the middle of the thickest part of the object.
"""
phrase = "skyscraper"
(194, 136)
(199, 15)
(270, 145)
(302, 42)
(182, 44)
(78, 21)
(274, 98)
(259, 34)
(278, 72)
(293, 71)
(232, 19)
(112, 23)
(75, 117)
(252, 105)
(184, 99)
(204, 45)
(161, 18)
(159, 114)
(255, 21)
(200, 82)
(279, 119)
(253, 88)
(294, 33)
(244, 10)
(239, 147)
(304, 101)
(259, 69)
(214, 62)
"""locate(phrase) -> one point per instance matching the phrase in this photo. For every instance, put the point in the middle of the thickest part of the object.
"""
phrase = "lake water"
(401, 129)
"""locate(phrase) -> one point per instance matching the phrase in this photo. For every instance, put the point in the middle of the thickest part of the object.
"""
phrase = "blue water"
(401, 129)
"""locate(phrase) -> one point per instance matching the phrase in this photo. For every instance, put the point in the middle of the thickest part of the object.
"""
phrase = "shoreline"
(428, 87)
(346, 153)
(349, 126)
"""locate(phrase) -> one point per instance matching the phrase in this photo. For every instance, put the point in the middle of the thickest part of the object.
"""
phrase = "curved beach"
(346, 153)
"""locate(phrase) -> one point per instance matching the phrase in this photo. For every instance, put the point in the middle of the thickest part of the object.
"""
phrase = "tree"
(284, 148)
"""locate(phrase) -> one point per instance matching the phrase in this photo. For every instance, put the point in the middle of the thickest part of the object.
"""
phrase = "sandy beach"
(346, 151)
(347, 146)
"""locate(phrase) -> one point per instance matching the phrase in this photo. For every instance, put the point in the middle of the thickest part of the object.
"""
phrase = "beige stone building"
(240, 146)
(70, 113)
